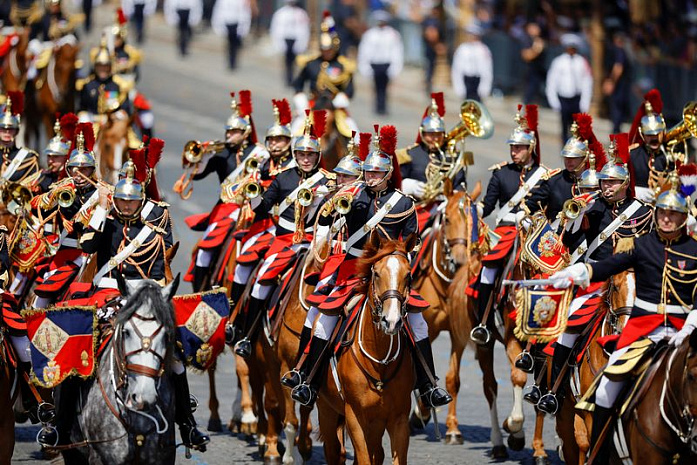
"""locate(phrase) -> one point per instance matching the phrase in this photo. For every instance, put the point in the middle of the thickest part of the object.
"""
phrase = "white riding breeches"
(489, 275)
(608, 390)
(311, 316)
(21, 345)
(568, 339)
(262, 291)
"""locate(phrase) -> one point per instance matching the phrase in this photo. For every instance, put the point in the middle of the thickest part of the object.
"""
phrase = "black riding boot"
(549, 403)
(534, 394)
(29, 402)
(231, 330)
(66, 397)
(199, 283)
(306, 392)
(481, 334)
(432, 396)
(243, 348)
(295, 377)
(191, 436)
(601, 416)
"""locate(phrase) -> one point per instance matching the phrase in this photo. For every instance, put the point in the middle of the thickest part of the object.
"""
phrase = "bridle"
(685, 429)
(447, 245)
(379, 300)
(123, 367)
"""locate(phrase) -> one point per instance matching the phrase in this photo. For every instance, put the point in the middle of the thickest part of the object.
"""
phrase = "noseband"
(145, 347)
(379, 300)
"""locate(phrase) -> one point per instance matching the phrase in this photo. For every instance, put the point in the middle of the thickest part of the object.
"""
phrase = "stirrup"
(525, 362)
(193, 403)
(549, 403)
(533, 395)
(480, 335)
(243, 348)
(46, 412)
(304, 394)
(292, 379)
(435, 397)
(230, 334)
(47, 436)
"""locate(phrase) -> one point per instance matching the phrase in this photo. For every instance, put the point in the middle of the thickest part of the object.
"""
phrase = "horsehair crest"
(319, 123)
(155, 148)
(285, 116)
(364, 145)
(245, 104)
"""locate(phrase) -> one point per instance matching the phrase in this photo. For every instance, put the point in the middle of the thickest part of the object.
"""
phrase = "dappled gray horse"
(128, 413)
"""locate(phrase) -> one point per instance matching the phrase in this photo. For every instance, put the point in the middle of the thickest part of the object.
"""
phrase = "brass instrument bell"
(305, 197)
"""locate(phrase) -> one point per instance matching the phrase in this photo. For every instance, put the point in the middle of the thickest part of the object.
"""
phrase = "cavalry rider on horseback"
(18, 164)
(231, 165)
(509, 185)
(378, 207)
(665, 263)
(55, 23)
(57, 152)
(294, 197)
(330, 78)
(102, 92)
(605, 226)
(278, 143)
(133, 237)
(649, 163)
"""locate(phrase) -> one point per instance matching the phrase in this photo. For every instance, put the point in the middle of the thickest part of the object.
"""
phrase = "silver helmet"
(377, 160)
(615, 168)
(432, 122)
(589, 178)
(81, 157)
(57, 146)
(282, 119)
(307, 142)
(350, 164)
(521, 135)
(575, 146)
(128, 187)
(236, 120)
(652, 123)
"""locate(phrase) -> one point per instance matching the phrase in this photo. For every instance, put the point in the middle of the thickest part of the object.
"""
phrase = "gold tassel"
(624, 244)
(299, 233)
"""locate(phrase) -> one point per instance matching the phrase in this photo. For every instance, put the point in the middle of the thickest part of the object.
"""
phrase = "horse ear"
(124, 288)
(411, 242)
(447, 187)
(171, 289)
(693, 339)
(375, 239)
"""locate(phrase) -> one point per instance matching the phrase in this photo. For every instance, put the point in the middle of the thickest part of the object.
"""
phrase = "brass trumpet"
(252, 190)
(573, 208)
(195, 150)
(342, 203)
(305, 197)
(251, 165)
(14, 192)
(66, 198)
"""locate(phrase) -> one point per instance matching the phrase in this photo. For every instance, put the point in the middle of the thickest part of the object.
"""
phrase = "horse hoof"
(215, 425)
(272, 460)
(499, 453)
(235, 426)
(248, 429)
(454, 439)
(515, 443)
(541, 460)
(417, 423)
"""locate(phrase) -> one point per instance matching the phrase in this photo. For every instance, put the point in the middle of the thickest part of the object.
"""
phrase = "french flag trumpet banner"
(541, 313)
(63, 343)
(201, 320)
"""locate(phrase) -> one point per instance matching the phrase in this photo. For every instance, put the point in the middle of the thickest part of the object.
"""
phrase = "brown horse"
(664, 435)
(112, 143)
(53, 91)
(7, 418)
(574, 426)
(334, 142)
(279, 358)
(14, 70)
(375, 371)
(449, 262)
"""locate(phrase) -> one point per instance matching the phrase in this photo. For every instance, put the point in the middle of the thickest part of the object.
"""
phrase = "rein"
(668, 396)
(447, 245)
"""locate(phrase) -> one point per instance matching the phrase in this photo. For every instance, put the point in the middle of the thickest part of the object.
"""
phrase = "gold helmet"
(328, 37)
(103, 56)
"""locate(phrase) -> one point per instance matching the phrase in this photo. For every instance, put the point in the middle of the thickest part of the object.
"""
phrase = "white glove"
(480, 210)
(523, 220)
(574, 274)
(690, 325)
(645, 194)
(691, 224)
(340, 100)
(301, 104)
(413, 187)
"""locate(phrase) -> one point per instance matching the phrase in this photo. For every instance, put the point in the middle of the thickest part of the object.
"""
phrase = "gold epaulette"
(327, 174)
(497, 166)
(303, 60)
(125, 85)
(550, 173)
(135, 56)
(80, 83)
(634, 146)
(348, 64)
(403, 156)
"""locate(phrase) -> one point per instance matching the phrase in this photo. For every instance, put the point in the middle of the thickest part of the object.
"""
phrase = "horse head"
(386, 264)
(621, 295)
(143, 338)
(458, 223)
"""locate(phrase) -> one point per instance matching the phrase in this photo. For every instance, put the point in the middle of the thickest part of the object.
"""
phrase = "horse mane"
(373, 254)
(163, 312)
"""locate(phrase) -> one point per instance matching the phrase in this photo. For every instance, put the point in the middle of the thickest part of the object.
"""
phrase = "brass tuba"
(475, 121)
(16, 196)
(685, 129)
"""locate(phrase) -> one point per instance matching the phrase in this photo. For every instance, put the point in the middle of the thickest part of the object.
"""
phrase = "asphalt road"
(189, 96)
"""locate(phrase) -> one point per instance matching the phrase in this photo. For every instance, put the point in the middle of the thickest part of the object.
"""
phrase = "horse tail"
(458, 311)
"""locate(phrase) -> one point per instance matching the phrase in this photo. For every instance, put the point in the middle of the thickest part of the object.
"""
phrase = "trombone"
(192, 155)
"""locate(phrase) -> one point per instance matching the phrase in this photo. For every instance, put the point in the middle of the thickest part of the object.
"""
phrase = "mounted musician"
(509, 185)
(18, 164)
(293, 197)
(57, 152)
(375, 206)
(665, 263)
(131, 234)
(233, 160)
(605, 226)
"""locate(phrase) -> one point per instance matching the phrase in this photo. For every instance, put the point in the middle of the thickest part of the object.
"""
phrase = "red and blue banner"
(541, 314)
(63, 343)
(201, 320)
(542, 249)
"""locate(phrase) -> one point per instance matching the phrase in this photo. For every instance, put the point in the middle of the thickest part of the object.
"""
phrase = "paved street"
(190, 100)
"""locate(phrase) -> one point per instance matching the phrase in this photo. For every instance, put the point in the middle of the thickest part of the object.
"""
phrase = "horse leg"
(398, 430)
(7, 421)
(566, 423)
(538, 446)
(291, 427)
(331, 433)
(305, 438)
(582, 427)
(514, 423)
(485, 358)
(249, 419)
(214, 423)
(274, 405)
(452, 383)
(366, 437)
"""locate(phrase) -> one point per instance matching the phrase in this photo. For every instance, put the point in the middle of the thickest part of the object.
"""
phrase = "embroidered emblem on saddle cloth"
(542, 248)
(63, 343)
(200, 320)
(541, 314)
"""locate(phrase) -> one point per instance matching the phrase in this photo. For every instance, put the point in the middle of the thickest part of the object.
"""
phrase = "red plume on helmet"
(585, 131)
(245, 108)
(532, 118)
(154, 154)
(654, 98)
(138, 158)
(388, 144)
(121, 17)
(68, 124)
(364, 145)
(17, 99)
(440, 103)
(285, 116)
(319, 123)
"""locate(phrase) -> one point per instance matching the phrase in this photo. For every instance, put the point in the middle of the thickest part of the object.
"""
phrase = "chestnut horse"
(14, 69)
(449, 262)
(574, 426)
(7, 418)
(53, 91)
(278, 359)
(112, 143)
(375, 372)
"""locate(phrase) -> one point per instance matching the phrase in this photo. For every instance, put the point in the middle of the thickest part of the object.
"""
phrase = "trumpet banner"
(541, 314)
(200, 320)
(542, 249)
(63, 343)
